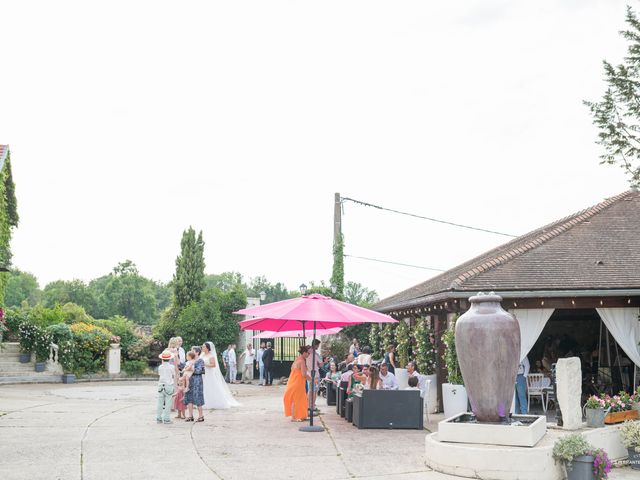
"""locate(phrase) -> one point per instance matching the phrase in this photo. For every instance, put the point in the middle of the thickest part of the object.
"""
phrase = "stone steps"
(10, 347)
(34, 378)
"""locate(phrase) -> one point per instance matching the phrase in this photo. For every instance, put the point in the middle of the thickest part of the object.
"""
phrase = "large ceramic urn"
(488, 347)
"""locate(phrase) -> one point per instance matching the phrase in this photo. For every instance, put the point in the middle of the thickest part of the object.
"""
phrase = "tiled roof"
(4, 151)
(597, 248)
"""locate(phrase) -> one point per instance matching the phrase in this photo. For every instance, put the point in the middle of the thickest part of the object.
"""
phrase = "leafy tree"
(356, 294)
(273, 292)
(224, 281)
(60, 292)
(130, 295)
(617, 115)
(22, 286)
(10, 194)
(209, 319)
(189, 280)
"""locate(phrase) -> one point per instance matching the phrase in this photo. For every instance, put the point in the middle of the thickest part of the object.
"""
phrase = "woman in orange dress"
(296, 403)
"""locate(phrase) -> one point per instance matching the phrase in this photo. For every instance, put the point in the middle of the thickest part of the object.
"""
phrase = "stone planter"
(402, 377)
(68, 378)
(40, 366)
(454, 398)
(113, 359)
(581, 468)
(595, 417)
(432, 400)
(634, 458)
(619, 417)
(25, 357)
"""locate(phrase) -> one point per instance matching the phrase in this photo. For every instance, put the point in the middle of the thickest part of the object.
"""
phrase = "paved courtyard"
(108, 430)
(93, 431)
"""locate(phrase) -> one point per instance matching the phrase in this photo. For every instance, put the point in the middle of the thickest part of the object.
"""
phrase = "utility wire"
(426, 218)
(394, 263)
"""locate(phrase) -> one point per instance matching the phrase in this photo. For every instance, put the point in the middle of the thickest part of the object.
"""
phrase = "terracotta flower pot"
(619, 417)
(488, 348)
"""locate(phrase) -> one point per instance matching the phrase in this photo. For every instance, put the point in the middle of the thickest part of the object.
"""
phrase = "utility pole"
(337, 219)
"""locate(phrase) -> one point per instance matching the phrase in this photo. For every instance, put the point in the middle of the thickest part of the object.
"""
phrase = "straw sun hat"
(166, 355)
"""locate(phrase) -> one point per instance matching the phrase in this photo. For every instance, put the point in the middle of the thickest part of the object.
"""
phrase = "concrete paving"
(93, 431)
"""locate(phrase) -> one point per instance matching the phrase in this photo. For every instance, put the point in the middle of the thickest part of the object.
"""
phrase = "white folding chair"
(535, 389)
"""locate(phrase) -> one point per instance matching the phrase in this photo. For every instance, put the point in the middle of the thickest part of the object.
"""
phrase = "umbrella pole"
(312, 390)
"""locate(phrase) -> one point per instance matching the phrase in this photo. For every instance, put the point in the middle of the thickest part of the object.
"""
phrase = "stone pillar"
(113, 359)
(569, 386)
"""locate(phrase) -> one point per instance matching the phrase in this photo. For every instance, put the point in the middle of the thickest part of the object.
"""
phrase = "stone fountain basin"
(524, 431)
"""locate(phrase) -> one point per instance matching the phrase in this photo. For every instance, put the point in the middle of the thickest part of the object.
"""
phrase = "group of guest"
(261, 360)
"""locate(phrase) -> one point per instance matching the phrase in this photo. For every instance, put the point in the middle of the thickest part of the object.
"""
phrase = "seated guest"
(355, 379)
(413, 384)
(388, 379)
(365, 357)
(333, 375)
(344, 364)
(346, 376)
(412, 370)
(373, 381)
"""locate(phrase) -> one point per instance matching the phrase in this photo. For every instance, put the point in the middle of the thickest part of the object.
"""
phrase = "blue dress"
(195, 394)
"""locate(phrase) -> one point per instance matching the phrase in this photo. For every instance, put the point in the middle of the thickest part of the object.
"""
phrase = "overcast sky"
(130, 121)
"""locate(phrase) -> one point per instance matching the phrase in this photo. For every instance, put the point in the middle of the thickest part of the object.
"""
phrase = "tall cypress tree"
(189, 281)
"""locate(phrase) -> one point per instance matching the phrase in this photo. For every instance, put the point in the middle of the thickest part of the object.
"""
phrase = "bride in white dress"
(216, 391)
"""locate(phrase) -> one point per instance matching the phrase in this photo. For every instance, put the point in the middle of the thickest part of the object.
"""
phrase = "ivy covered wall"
(8, 219)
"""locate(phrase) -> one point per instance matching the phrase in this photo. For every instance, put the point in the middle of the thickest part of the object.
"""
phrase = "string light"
(542, 302)
(573, 302)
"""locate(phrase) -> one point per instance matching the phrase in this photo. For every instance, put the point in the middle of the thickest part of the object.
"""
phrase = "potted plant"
(454, 395)
(114, 342)
(581, 460)
(595, 411)
(42, 345)
(62, 336)
(636, 400)
(630, 436)
(620, 408)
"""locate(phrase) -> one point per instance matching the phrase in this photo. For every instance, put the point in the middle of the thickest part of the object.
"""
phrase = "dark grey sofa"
(388, 409)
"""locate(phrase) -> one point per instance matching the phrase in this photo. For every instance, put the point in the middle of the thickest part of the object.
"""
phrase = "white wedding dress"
(216, 391)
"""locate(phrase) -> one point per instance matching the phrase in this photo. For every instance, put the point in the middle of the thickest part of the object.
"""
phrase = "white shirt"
(363, 359)
(232, 356)
(316, 355)
(249, 356)
(523, 368)
(182, 355)
(260, 353)
(167, 373)
(389, 381)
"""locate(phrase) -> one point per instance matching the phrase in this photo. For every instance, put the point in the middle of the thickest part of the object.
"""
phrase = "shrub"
(403, 339)
(450, 355)
(134, 368)
(388, 335)
(425, 349)
(44, 317)
(62, 336)
(570, 446)
(121, 327)
(375, 341)
(73, 313)
(630, 435)
(27, 333)
(14, 317)
(91, 342)
(337, 346)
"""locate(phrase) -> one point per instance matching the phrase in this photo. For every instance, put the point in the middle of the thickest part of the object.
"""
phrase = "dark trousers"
(268, 374)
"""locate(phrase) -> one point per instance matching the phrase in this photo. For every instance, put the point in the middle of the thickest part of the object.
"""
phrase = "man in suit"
(267, 359)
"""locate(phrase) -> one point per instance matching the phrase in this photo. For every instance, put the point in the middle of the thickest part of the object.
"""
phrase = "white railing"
(53, 364)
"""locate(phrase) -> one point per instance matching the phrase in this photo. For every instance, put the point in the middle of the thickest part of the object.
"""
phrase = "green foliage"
(375, 341)
(570, 446)
(123, 328)
(388, 335)
(134, 368)
(189, 280)
(60, 292)
(62, 336)
(337, 346)
(223, 281)
(404, 343)
(273, 292)
(617, 115)
(91, 343)
(44, 317)
(10, 194)
(359, 332)
(450, 356)
(210, 319)
(21, 287)
(14, 317)
(356, 294)
(75, 313)
(425, 347)
(337, 275)
(27, 336)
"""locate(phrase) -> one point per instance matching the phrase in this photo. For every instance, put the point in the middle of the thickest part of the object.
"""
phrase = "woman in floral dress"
(195, 395)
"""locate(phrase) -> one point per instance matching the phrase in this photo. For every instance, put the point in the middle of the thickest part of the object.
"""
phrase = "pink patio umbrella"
(296, 333)
(315, 311)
